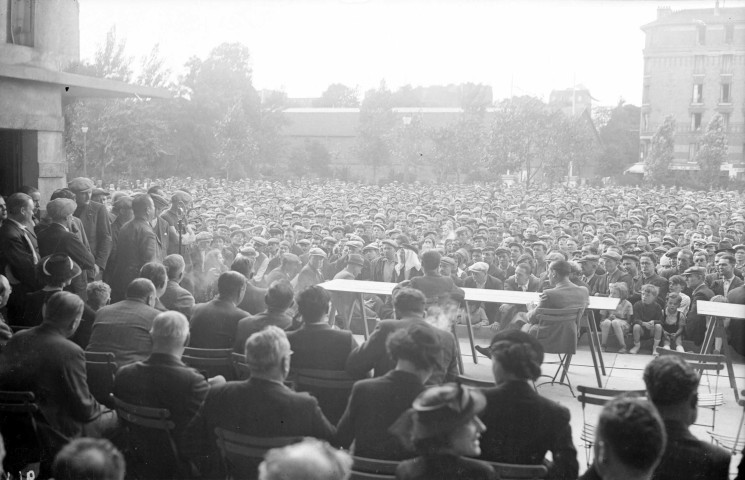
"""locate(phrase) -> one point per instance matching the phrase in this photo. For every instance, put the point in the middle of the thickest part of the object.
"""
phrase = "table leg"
(595, 335)
(458, 352)
(593, 339)
(727, 358)
(361, 301)
(469, 327)
(709, 337)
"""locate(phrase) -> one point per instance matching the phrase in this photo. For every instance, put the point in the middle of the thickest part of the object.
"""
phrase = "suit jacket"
(163, 381)
(255, 323)
(275, 411)
(521, 426)
(253, 300)
(374, 405)
(177, 298)
(136, 247)
(433, 286)
(534, 283)
(213, 324)
(717, 286)
(58, 239)
(695, 323)
(124, 330)
(307, 277)
(372, 354)
(378, 268)
(162, 238)
(688, 458)
(318, 346)
(563, 295)
(16, 256)
(98, 230)
(492, 283)
(604, 281)
(44, 362)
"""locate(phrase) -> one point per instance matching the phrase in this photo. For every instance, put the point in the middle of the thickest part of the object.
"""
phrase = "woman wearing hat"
(56, 272)
(521, 424)
(443, 428)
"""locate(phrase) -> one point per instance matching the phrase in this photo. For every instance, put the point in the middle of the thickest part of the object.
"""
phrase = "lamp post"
(84, 129)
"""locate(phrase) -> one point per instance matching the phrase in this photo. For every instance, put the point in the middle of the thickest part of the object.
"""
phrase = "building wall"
(36, 108)
(675, 60)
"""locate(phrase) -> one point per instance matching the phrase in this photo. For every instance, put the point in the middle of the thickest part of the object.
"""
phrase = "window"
(645, 95)
(725, 121)
(692, 151)
(645, 121)
(726, 90)
(20, 27)
(701, 34)
(695, 121)
(727, 63)
(729, 34)
(698, 93)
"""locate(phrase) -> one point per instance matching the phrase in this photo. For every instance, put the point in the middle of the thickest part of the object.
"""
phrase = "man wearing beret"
(57, 238)
(95, 222)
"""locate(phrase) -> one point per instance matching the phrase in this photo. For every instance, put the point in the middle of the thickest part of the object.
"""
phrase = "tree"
(337, 96)
(377, 122)
(522, 137)
(312, 158)
(712, 151)
(620, 136)
(660, 152)
(409, 143)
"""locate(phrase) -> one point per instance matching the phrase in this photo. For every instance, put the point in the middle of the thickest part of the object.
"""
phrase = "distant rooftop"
(710, 16)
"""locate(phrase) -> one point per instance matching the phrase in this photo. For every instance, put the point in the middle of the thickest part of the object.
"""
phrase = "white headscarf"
(411, 260)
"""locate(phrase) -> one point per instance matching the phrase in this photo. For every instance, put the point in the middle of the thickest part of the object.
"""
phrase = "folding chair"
(734, 444)
(100, 370)
(332, 389)
(597, 396)
(242, 454)
(557, 333)
(239, 366)
(19, 429)
(474, 382)
(509, 471)
(704, 363)
(140, 423)
(210, 362)
(373, 469)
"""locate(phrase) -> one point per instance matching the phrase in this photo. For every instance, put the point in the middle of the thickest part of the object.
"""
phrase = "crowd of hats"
(491, 216)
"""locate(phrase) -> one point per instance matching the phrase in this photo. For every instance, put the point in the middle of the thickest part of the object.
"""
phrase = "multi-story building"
(694, 68)
(38, 41)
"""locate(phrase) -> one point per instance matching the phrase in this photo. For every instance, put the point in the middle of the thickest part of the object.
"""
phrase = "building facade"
(694, 68)
(39, 39)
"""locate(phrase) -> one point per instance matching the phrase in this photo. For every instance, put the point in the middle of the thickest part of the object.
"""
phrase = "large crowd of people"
(150, 269)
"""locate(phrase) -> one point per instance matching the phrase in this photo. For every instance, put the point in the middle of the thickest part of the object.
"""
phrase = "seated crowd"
(154, 282)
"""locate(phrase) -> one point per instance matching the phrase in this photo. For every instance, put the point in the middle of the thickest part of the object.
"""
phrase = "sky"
(525, 47)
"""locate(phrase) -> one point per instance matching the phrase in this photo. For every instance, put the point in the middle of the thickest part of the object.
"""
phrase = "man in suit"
(96, 223)
(289, 267)
(163, 381)
(124, 327)
(278, 298)
(275, 410)
(383, 268)
(727, 279)
(57, 238)
(213, 324)
(696, 324)
(480, 278)
(44, 361)
(410, 309)
(613, 274)
(319, 346)
(375, 404)
(522, 281)
(136, 246)
(176, 297)
(19, 253)
(672, 386)
(311, 273)
(432, 284)
(563, 294)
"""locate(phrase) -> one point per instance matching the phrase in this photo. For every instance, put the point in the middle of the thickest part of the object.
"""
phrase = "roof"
(76, 86)
(709, 16)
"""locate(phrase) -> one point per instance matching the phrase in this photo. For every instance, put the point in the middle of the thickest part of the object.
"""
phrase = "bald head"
(310, 459)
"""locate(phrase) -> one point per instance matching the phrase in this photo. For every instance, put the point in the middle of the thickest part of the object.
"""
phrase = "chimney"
(663, 12)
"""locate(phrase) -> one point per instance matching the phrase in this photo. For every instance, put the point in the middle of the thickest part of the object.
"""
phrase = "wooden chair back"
(557, 329)
(210, 362)
(242, 454)
(100, 370)
(509, 471)
(373, 469)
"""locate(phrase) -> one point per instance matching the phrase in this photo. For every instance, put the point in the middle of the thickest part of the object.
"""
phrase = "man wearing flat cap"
(96, 223)
(290, 265)
(57, 238)
(311, 274)
(613, 274)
